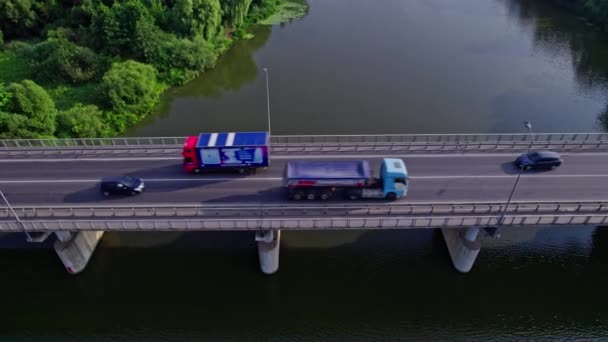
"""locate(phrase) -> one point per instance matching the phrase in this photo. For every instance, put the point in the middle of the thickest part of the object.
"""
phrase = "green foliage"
(197, 17)
(127, 29)
(58, 59)
(5, 96)
(30, 113)
(261, 9)
(178, 60)
(235, 12)
(18, 17)
(84, 39)
(81, 121)
(131, 91)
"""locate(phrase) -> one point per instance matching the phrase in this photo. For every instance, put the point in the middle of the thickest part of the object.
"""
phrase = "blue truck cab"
(394, 177)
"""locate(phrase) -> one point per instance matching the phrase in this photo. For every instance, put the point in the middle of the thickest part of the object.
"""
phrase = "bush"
(1, 38)
(131, 90)
(5, 95)
(58, 59)
(179, 60)
(30, 112)
(81, 121)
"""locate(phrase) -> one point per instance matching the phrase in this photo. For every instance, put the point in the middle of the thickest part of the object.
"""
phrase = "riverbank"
(596, 11)
(97, 73)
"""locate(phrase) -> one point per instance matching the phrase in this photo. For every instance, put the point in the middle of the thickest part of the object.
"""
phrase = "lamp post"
(267, 99)
(529, 127)
(521, 170)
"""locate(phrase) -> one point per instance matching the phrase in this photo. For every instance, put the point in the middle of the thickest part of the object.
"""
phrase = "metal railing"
(335, 216)
(389, 143)
(320, 139)
(312, 223)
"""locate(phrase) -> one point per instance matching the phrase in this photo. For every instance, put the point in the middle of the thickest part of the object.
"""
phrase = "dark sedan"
(538, 160)
(121, 185)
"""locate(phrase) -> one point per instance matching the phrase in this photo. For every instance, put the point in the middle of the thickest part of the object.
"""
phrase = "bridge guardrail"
(303, 212)
(314, 223)
(319, 139)
(313, 144)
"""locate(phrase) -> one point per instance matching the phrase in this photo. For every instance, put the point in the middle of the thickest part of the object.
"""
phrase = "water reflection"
(557, 31)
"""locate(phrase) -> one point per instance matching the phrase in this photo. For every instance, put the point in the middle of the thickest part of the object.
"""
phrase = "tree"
(234, 12)
(17, 17)
(81, 121)
(30, 112)
(197, 17)
(5, 95)
(131, 90)
(58, 59)
(178, 60)
(128, 29)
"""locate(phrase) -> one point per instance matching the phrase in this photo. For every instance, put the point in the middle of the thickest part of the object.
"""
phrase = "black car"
(538, 160)
(121, 185)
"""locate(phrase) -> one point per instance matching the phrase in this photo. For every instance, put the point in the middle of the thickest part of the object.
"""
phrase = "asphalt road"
(434, 178)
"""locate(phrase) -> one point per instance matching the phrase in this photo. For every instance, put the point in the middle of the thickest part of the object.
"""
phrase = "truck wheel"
(325, 196)
(391, 196)
(310, 196)
(353, 196)
(196, 171)
(297, 196)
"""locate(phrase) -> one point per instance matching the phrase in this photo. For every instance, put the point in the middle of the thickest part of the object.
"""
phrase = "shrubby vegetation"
(109, 60)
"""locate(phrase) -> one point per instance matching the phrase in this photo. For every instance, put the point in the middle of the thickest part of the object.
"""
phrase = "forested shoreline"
(595, 10)
(92, 68)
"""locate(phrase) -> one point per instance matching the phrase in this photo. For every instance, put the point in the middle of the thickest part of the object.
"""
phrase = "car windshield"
(534, 156)
(128, 181)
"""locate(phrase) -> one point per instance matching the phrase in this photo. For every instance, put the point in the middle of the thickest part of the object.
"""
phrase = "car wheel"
(105, 193)
(196, 171)
(133, 193)
(527, 167)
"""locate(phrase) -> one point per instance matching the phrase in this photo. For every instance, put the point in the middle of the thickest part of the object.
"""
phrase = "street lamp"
(267, 99)
(521, 170)
(529, 127)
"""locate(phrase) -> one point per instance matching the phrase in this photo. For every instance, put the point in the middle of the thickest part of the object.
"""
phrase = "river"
(352, 67)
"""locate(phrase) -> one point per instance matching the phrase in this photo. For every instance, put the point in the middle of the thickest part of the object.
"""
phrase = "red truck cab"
(191, 161)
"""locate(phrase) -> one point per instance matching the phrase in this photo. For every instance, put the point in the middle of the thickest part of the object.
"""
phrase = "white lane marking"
(263, 179)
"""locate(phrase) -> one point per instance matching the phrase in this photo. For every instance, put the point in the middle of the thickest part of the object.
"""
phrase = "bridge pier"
(75, 249)
(463, 245)
(268, 242)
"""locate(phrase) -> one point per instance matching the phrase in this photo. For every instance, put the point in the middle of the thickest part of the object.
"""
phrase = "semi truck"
(350, 179)
(241, 151)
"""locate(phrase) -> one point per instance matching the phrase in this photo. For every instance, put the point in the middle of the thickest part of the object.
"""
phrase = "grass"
(15, 69)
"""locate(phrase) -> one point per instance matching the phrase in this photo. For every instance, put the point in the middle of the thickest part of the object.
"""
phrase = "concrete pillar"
(269, 242)
(75, 249)
(463, 245)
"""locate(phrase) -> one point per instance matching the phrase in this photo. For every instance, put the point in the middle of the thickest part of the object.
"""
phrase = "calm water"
(403, 66)
(352, 66)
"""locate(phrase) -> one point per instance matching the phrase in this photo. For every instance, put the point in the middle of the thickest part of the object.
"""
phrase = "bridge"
(459, 183)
